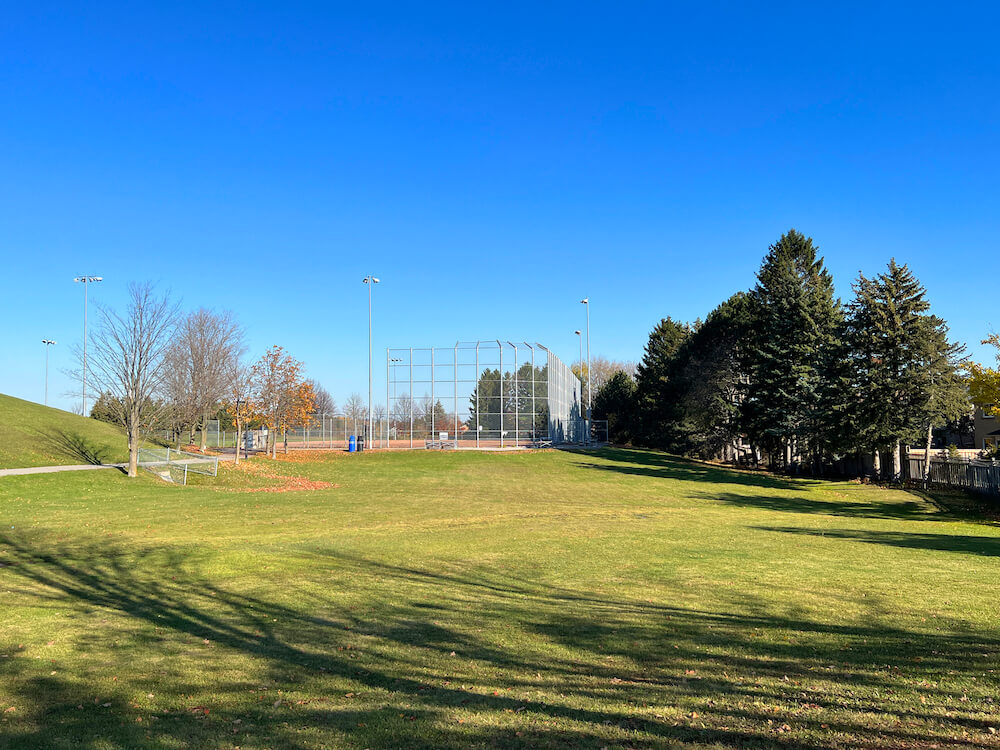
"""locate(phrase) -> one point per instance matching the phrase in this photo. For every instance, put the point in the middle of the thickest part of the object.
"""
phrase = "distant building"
(987, 428)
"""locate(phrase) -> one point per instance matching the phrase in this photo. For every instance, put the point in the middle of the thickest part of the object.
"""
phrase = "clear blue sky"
(491, 163)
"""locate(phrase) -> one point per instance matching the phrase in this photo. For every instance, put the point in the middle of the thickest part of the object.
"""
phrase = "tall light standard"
(586, 301)
(48, 343)
(580, 339)
(371, 281)
(85, 280)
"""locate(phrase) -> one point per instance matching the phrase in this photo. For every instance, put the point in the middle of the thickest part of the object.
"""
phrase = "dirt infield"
(406, 444)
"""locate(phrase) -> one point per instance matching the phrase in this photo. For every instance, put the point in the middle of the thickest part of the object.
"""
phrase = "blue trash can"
(352, 444)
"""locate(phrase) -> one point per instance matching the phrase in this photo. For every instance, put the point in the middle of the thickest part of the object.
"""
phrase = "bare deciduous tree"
(355, 410)
(323, 400)
(378, 415)
(240, 400)
(201, 359)
(602, 370)
(127, 360)
(402, 407)
(179, 391)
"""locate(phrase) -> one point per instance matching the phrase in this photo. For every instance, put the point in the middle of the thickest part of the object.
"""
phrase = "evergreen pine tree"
(905, 371)
(656, 392)
(713, 378)
(796, 322)
(104, 408)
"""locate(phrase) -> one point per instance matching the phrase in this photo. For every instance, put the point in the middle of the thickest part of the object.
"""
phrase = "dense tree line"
(789, 376)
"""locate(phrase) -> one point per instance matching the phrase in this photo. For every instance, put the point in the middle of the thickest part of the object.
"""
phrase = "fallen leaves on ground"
(286, 483)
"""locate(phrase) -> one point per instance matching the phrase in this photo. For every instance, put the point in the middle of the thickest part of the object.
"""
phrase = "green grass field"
(618, 599)
(36, 435)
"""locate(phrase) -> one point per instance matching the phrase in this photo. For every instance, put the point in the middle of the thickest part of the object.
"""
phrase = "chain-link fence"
(482, 394)
(214, 436)
(324, 431)
(599, 431)
(330, 431)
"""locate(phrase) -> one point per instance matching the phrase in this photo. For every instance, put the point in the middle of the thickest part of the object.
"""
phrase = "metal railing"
(172, 465)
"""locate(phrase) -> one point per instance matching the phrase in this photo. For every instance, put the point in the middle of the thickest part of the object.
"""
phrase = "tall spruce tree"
(713, 378)
(795, 333)
(656, 386)
(905, 370)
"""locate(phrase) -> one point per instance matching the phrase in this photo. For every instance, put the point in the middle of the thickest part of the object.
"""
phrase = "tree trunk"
(877, 465)
(239, 434)
(897, 463)
(133, 452)
(204, 432)
(927, 453)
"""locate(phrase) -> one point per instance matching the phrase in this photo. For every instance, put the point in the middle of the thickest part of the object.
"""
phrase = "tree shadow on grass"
(584, 668)
(650, 463)
(984, 546)
(74, 446)
(665, 466)
(904, 511)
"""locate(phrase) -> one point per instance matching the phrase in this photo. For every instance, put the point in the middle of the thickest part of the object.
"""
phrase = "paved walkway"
(52, 469)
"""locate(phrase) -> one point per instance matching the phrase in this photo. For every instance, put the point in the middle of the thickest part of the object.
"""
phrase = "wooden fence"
(976, 476)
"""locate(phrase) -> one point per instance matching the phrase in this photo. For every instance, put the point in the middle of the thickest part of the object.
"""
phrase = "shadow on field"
(426, 661)
(986, 546)
(664, 466)
(910, 510)
(75, 446)
(647, 463)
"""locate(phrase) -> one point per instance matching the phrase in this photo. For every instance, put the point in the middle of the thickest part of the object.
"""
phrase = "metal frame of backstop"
(481, 394)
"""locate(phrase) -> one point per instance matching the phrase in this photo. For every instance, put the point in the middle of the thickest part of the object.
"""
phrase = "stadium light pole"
(586, 301)
(579, 336)
(85, 280)
(48, 343)
(371, 281)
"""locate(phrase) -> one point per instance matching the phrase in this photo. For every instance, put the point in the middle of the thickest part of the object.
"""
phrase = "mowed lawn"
(36, 435)
(617, 599)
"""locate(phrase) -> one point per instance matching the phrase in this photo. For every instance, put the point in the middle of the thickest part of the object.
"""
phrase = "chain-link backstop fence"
(481, 394)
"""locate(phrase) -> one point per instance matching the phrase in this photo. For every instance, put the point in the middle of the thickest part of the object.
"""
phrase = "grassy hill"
(36, 435)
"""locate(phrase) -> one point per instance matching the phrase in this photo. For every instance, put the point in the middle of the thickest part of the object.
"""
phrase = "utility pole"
(579, 336)
(85, 280)
(590, 394)
(48, 343)
(371, 281)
